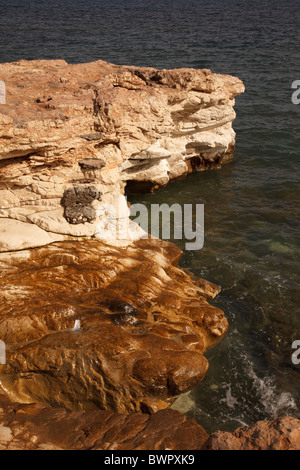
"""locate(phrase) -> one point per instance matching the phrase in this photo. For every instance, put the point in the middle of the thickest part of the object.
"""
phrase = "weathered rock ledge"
(72, 138)
(37, 427)
(68, 128)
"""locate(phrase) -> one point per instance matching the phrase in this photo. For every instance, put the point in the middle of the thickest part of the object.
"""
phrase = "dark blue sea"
(252, 205)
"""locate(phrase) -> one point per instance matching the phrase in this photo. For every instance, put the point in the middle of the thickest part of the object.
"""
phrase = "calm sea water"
(252, 205)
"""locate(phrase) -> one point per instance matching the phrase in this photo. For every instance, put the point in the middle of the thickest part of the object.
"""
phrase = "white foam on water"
(271, 400)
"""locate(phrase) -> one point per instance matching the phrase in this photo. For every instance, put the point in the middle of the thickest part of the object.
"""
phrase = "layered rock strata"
(36, 427)
(68, 127)
(72, 139)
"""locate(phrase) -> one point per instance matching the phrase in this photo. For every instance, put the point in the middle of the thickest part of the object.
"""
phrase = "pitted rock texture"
(80, 195)
(104, 125)
(79, 214)
(77, 202)
(277, 434)
(37, 427)
(91, 164)
(145, 325)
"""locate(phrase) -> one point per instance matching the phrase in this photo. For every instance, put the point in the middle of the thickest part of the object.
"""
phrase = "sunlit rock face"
(110, 324)
(277, 434)
(144, 325)
(99, 125)
(38, 427)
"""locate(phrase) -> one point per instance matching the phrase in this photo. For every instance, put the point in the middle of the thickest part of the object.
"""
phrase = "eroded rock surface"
(67, 126)
(277, 434)
(145, 325)
(78, 201)
(37, 427)
(72, 137)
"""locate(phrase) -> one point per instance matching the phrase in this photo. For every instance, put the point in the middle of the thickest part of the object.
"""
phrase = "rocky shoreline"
(37, 427)
(73, 139)
(144, 325)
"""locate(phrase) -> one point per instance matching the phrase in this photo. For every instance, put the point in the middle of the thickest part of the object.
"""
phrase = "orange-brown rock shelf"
(38, 427)
(72, 138)
(145, 325)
